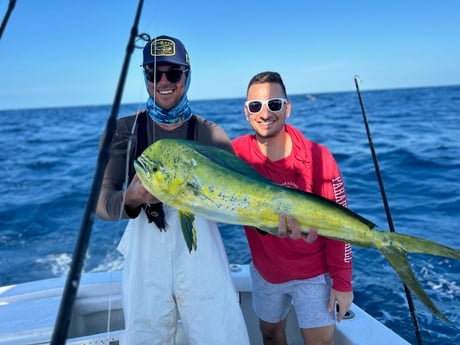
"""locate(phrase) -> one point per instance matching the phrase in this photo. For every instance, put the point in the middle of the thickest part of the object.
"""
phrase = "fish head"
(156, 175)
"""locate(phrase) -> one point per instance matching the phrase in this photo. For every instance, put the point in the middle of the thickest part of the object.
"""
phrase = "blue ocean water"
(48, 158)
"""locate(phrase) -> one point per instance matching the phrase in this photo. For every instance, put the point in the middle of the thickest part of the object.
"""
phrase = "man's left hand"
(288, 226)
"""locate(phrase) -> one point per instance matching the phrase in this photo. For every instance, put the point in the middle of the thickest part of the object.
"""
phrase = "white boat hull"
(28, 313)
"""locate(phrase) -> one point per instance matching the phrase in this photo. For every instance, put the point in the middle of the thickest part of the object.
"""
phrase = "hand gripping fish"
(219, 186)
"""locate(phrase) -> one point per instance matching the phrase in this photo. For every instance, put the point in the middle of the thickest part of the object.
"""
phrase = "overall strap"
(191, 128)
(141, 133)
(140, 143)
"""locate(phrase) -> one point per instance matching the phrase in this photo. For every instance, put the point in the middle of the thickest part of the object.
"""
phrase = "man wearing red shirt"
(313, 276)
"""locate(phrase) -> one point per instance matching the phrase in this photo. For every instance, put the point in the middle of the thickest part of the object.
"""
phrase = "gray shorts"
(310, 298)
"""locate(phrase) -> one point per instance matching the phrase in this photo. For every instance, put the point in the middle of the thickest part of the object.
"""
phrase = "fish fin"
(188, 229)
(398, 260)
(422, 246)
(227, 160)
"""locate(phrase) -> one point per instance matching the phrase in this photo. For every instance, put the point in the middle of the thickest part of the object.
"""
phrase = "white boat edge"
(28, 313)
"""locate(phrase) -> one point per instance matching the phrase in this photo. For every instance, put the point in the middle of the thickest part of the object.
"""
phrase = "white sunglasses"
(273, 104)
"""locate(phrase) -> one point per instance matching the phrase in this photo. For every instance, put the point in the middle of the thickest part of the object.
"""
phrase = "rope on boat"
(7, 16)
(63, 319)
(387, 209)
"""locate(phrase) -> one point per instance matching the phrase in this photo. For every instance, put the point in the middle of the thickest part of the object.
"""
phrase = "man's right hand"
(136, 195)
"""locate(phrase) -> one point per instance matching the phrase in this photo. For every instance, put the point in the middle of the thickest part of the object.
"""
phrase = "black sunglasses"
(273, 104)
(173, 75)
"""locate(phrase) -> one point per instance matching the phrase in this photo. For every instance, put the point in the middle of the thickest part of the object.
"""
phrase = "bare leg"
(273, 333)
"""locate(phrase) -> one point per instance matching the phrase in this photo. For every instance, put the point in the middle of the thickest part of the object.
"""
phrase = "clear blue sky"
(65, 53)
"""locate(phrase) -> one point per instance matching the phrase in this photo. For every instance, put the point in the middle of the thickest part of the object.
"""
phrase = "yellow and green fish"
(217, 185)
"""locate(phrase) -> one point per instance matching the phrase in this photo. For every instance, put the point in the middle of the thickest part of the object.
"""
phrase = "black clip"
(156, 214)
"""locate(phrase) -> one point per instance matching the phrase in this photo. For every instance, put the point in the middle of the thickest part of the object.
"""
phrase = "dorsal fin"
(226, 160)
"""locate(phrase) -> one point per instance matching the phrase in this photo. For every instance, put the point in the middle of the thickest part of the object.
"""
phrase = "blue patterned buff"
(180, 113)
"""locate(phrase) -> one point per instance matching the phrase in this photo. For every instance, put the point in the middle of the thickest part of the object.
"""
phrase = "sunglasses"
(273, 104)
(173, 75)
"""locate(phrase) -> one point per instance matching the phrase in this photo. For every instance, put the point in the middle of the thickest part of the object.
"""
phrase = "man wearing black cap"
(161, 279)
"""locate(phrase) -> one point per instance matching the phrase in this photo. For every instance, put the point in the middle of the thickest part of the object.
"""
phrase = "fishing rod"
(387, 209)
(62, 324)
(7, 16)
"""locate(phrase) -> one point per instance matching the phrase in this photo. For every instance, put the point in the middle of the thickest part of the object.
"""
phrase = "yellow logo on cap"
(163, 47)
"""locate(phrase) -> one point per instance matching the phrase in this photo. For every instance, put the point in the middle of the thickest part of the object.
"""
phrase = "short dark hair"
(267, 77)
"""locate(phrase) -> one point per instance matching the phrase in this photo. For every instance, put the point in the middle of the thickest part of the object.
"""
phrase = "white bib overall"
(161, 279)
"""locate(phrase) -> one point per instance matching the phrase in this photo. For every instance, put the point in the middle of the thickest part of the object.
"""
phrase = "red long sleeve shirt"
(310, 167)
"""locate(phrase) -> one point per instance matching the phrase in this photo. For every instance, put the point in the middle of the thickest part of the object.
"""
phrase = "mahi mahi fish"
(217, 185)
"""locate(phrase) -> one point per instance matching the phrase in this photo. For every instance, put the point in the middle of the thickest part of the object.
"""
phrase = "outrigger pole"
(62, 324)
(387, 209)
(7, 16)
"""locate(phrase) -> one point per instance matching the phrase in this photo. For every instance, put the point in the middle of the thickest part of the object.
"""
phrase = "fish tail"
(398, 260)
(412, 244)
